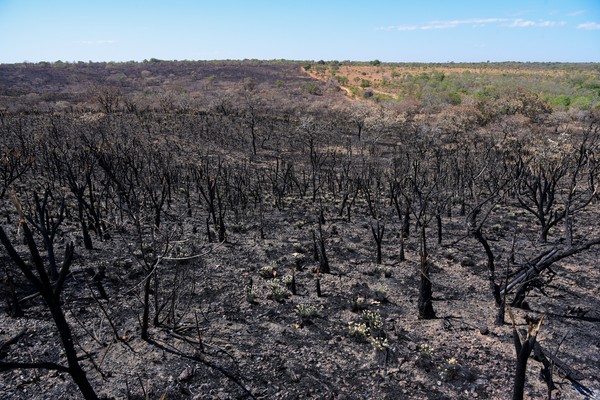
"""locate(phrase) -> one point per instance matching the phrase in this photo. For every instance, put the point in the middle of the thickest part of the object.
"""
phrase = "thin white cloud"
(524, 23)
(407, 28)
(477, 23)
(576, 13)
(96, 42)
(398, 28)
(439, 25)
(590, 26)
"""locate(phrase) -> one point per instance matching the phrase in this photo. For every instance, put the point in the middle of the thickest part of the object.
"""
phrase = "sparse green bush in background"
(454, 98)
(342, 80)
(313, 88)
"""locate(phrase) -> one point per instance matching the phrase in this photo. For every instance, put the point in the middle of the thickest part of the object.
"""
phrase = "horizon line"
(154, 60)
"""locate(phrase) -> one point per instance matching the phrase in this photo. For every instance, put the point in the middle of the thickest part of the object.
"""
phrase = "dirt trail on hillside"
(344, 88)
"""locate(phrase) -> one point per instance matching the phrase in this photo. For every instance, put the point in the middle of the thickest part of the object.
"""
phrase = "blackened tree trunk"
(406, 222)
(222, 211)
(66, 337)
(87, 240)
(51, 292)
(438, 220)
(402, 256)
(14, 307)
(146, 311)
(323, 261)
(425, 289)
(494, 287)
(378, 230)
(523, 348)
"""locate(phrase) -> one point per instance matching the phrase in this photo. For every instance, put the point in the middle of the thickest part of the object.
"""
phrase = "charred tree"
(523, 348)
(378, 229)
(425, 288)
(51, 293)
(538, 188)
(526, 278)
(47, 221)
(323, 261)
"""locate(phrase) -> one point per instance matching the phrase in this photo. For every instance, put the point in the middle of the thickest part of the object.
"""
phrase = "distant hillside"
(562, 86)
(427, 89)
(48, 83)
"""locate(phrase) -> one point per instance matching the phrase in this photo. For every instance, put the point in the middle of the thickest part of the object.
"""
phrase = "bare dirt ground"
(258, 341)
(346, 89)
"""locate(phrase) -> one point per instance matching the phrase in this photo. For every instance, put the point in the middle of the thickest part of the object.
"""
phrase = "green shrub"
(560, 102)
(342, 80)
(454, 98)
(583, 102)
(313, 88)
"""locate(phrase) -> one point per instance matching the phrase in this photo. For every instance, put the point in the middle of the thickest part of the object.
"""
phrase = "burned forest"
(266, 230)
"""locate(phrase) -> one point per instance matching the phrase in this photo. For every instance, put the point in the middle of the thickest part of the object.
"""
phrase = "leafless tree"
(50, 288)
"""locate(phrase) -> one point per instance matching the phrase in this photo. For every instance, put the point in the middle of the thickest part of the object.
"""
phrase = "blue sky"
(402, 31)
